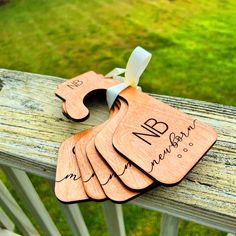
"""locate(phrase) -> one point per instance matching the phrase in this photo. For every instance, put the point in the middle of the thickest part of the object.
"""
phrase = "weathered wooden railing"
(32, 128)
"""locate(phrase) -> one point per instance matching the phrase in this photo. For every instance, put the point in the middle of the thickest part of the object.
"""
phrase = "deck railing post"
(31, 200)
(11, 207)
(114, 218)
(73, 217)
(5, 222)
(169, 225)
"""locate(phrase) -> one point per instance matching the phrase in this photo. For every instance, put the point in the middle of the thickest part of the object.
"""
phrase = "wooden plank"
(26, 191)
(187, 212)
(5, 232)
(10, 206)
(73, 217)
(169, 225)
(31, 119)
(5, 222)
(114, 218)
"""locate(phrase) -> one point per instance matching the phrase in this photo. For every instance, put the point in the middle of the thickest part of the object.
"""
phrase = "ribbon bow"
(136, 65)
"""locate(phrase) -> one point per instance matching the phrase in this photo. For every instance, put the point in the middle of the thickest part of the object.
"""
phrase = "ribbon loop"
(136, 65)
(115, 72)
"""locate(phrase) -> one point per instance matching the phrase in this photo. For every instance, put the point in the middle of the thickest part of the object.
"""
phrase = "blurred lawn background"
(193, 43)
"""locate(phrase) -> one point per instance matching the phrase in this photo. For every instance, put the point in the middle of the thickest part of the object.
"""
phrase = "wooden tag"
(163, 141)
(68, 183)
(75, 90)
(91, 184)
(112, 186)
(131, 176)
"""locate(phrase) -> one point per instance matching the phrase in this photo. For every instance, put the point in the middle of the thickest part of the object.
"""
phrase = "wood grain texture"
(111, 184)
(74, 91)
(32, 128)
(68, 183)
(127, 172)
(90, 181)
(163, 141)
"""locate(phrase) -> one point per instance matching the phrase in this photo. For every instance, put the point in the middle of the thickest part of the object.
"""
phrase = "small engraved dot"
(185, 149)
(190, 144)
(179, 155)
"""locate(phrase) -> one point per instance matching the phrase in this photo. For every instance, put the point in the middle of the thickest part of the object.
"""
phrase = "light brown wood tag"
(75, 90)
(131, 176)
(91, 184)
(163, 141)
(68, 183)
(110, 182)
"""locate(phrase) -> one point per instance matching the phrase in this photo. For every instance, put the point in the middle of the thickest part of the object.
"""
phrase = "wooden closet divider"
(75, 90)
(129, 174)
(91, 184)
(163, 141)
(68, 183)
(114, 189)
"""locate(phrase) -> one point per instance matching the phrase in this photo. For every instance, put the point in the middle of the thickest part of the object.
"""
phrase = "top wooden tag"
(163, 141)
(75, 90)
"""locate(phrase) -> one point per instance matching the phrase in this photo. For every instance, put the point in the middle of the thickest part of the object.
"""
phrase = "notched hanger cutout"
(74, 91)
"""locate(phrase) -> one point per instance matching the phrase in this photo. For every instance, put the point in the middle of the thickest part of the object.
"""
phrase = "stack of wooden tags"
(143, 144)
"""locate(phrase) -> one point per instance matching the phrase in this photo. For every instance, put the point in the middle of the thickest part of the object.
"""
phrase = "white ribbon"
(136, 65)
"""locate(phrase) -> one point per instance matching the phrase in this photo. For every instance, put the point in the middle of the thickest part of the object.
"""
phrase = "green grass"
(193, 44)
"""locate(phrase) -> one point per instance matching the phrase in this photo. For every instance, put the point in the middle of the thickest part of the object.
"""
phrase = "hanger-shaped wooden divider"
(91, 184)
(114, 189)
(130, 175)
(163, 141)
(74, 91)
(89, 175)
(68, 183)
